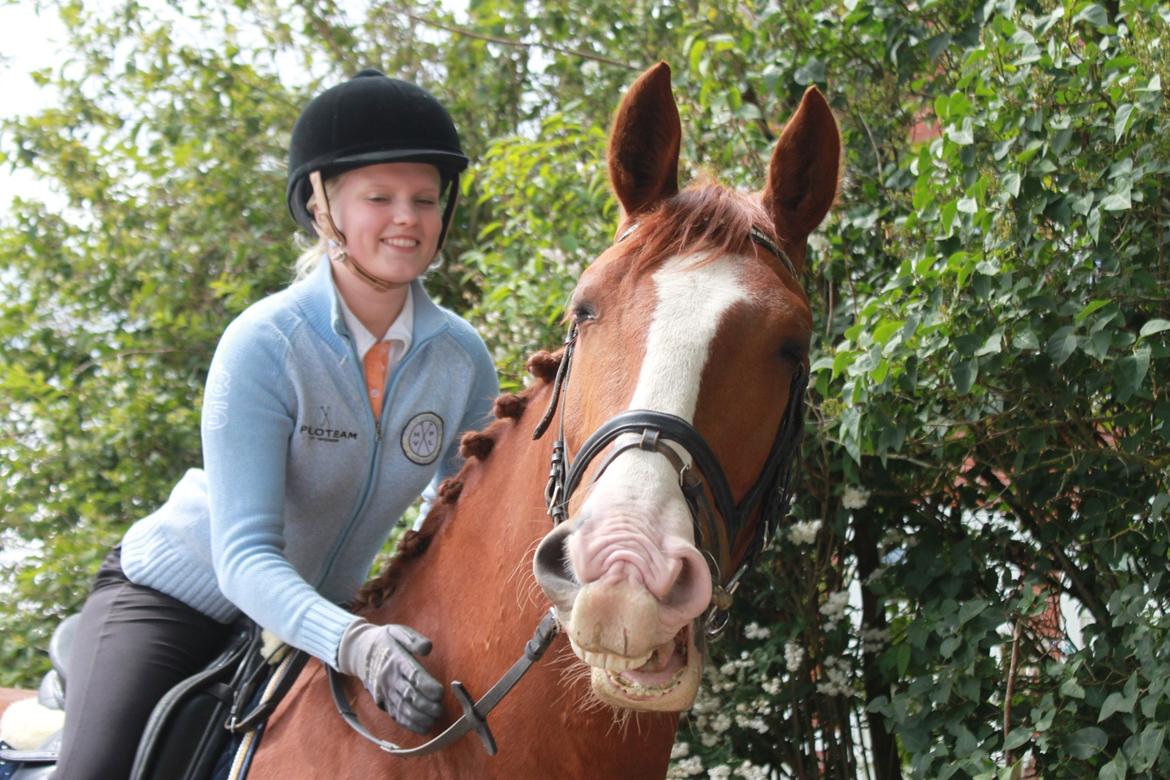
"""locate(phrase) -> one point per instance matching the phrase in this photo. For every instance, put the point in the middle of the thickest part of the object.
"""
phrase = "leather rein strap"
(475, 713)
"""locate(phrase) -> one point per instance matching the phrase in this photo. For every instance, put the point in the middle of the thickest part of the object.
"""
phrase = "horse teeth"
(608, 661)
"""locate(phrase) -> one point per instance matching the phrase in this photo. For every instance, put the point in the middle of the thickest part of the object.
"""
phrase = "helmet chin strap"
(336, 238)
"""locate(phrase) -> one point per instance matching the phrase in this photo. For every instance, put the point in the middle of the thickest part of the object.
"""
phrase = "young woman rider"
(329, 407)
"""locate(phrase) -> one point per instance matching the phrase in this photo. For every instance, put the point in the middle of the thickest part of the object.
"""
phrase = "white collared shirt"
(399, 334)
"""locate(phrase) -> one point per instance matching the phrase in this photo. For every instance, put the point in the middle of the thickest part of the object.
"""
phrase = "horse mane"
(475, 447)
(705, 218)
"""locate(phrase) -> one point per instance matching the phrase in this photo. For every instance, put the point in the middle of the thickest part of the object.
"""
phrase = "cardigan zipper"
(375, 458)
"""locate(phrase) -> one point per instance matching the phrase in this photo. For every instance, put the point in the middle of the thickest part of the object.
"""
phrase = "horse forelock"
(705, 219)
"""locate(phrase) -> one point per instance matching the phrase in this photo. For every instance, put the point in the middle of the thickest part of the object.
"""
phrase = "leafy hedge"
(974, 575)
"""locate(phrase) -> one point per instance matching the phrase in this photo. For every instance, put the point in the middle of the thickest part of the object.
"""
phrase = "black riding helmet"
(367, 120)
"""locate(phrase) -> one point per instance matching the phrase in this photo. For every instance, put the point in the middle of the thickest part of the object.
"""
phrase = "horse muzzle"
(632, 620)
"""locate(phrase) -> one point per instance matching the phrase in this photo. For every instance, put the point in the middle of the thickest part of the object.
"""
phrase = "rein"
(474, 717)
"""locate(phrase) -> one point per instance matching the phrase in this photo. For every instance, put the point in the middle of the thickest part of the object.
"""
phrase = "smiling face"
(391, 215)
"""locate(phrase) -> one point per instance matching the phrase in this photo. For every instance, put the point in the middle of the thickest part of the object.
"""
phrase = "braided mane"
(475, 447)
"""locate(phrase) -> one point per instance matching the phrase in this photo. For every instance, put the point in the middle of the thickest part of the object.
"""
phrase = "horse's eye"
(584, 312)
(793, 350)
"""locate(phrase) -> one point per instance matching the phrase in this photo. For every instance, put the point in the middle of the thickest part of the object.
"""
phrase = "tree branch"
(512, 42)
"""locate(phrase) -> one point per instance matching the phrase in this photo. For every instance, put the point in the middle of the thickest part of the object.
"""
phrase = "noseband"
(718, 529)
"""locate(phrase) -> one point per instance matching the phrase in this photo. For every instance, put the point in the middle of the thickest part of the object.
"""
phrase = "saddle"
(187, 732)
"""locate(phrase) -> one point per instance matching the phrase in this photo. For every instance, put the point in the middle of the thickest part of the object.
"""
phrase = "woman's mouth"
(401, 243)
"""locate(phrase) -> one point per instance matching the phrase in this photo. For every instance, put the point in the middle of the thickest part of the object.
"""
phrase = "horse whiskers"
(530, 593)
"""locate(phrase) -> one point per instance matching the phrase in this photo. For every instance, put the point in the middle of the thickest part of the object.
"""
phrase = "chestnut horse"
(696, 312)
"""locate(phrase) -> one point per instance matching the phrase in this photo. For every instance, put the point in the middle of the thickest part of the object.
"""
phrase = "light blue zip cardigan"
(300, 486)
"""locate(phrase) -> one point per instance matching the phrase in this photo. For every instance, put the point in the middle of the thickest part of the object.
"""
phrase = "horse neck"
(478, 559)
(472, 592)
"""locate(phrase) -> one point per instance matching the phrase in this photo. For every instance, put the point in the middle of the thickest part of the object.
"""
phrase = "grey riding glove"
(383, 658)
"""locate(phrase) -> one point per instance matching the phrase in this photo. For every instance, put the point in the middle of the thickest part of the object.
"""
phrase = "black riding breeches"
(132, 645)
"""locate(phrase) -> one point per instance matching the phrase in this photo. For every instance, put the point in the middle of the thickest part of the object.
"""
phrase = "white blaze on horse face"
(692, 299)
(635, 523)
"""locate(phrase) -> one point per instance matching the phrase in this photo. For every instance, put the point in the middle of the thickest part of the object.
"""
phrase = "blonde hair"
(307, 262)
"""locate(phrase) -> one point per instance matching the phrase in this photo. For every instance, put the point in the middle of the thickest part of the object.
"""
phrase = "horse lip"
(672, 695)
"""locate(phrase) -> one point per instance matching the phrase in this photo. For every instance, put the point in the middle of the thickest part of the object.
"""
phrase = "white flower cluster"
(754, 630)
(854, 497)
(837, 677)
(708, 703)
(749, 771)
(751, 716)
(688, 767)
(834, 608)
(716, 712)
(874, 639)
(804, 531)
(793, 656)
(693, 767)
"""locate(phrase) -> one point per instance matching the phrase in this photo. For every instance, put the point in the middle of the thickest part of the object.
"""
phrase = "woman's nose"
(405, 213)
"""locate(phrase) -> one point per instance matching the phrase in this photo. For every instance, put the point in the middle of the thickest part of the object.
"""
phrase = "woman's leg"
(133, 644)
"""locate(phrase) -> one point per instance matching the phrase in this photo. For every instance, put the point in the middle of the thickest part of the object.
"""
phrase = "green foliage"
(988, 405)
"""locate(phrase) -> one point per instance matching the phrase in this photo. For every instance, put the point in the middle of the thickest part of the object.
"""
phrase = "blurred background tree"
(973, 579)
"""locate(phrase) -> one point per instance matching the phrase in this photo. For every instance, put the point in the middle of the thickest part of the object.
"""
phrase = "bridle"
(702, 481)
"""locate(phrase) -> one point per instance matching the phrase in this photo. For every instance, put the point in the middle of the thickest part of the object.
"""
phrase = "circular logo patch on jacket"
(422, 438)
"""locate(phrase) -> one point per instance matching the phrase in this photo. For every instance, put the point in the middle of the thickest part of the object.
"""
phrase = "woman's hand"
(383, 658)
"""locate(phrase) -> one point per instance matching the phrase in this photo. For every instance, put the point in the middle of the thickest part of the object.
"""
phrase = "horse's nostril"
(691, 590)
(553, 571)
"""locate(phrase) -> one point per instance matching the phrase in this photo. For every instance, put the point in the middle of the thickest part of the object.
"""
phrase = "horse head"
(680, 397)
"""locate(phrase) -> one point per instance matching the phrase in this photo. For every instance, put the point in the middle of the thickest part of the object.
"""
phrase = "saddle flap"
(186, 728)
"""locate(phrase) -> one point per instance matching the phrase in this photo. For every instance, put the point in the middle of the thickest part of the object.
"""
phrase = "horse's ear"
(805, 170)
(644, 143)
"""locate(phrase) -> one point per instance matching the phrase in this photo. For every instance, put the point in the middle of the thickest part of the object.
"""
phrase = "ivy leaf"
(1094, 15)
(1115, 702)
(1117, 201)
(1072, 689)
(1085, 743)
(1131, 372)
(1061, 344)
(1017, 737)
(1149, 747)
(964, 375)
(1153, 326)
(1115, 769)
(1121, 120)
